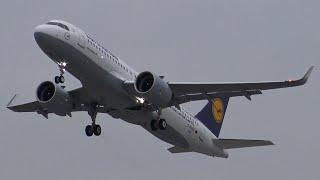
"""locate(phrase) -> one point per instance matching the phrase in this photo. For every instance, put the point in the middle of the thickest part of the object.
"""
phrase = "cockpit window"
(59, 24)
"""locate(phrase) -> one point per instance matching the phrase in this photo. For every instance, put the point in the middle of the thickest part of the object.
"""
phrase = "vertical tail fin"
(212, 114)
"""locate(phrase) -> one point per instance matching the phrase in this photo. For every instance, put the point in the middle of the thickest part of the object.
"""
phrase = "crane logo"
(218, 110)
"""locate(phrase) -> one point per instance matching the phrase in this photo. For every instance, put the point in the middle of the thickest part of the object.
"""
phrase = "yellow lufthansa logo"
(218, 110)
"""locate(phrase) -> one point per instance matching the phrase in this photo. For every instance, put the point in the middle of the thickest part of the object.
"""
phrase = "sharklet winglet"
(10, 102)
(307, 75)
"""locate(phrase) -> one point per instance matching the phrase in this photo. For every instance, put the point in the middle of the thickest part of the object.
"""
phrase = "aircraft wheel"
(97, 130)
(89, 130)
(57, 79)
(61, 79)
(153, 125)
(162, 124)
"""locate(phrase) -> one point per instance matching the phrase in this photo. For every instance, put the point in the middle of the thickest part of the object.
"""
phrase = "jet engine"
(54, 98)
(153, 89)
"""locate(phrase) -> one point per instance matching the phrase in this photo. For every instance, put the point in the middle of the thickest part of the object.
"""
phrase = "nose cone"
(47, 38)
(41, 33)
(37, 33)
(44, 33)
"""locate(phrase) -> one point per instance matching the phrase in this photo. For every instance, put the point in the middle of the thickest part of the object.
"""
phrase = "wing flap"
(240, 143)
(210, 96)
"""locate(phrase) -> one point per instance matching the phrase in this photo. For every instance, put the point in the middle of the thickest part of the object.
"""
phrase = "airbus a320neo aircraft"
(110, 86)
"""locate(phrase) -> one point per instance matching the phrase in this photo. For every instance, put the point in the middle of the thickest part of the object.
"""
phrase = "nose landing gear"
(60, 79)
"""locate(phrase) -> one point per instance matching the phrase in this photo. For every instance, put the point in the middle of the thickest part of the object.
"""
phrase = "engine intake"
(54, 98)
(153, 88)
(144, 82)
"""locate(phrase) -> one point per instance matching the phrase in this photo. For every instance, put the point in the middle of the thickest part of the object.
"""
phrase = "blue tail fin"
(212, 114)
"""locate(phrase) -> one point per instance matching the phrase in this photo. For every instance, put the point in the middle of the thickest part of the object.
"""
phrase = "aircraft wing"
(240, 143)
(27, 107)
(182, 89)
(186, 92)
(79, 98)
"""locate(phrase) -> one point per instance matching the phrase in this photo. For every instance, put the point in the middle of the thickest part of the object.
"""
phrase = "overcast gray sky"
(186, 40)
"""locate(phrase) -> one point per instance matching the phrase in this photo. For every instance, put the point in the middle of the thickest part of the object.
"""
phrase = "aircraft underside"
(110, 86)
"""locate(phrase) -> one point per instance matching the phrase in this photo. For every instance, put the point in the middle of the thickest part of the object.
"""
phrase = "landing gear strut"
(60, 79)
(93, 128)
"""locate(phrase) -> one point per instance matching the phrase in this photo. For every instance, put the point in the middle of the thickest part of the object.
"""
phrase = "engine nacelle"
(54, 98)
(153, 88)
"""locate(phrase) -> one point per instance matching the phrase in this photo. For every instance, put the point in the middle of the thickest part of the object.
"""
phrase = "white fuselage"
(102, 74)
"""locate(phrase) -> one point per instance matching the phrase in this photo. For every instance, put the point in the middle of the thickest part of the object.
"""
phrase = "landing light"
(62, 64)
(140, 100)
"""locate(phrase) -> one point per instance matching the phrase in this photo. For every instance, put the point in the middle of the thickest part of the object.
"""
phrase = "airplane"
(146, 99)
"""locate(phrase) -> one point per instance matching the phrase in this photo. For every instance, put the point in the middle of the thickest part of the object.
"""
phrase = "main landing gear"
(60, 79)
(93, 128)
(159, 123)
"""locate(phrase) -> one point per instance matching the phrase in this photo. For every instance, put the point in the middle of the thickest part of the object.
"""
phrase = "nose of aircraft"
(40, 32)
(46, 36)
(45, 32)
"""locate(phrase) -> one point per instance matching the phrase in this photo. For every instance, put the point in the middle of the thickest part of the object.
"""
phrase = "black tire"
(153, 125)
(61, 79)
(97, 130)
(57, 79)
(162, 124)
(89, 130)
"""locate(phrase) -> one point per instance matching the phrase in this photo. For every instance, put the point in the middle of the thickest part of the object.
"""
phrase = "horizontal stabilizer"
(240, 143)
(176, 149)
